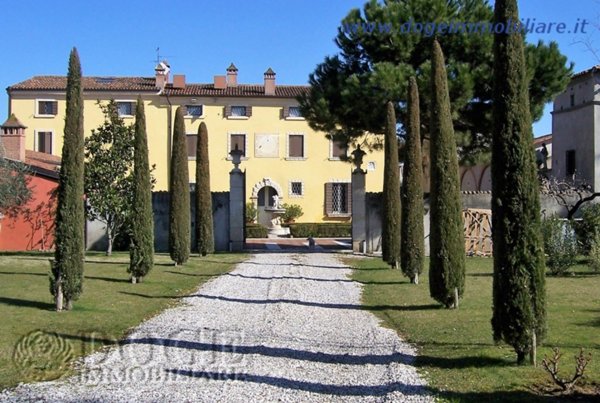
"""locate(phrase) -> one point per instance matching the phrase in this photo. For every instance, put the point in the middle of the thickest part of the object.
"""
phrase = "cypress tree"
(519, 312)
(390, 235)
(412, 234)
(141, 250)
(204, 220)
(447, 257)
(66, 282)
(179, 201)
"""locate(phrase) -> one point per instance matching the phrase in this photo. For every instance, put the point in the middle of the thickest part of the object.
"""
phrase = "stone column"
(236, 204)
(359, 211)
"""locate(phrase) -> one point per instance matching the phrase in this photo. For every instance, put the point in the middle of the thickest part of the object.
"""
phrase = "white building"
(576, 129)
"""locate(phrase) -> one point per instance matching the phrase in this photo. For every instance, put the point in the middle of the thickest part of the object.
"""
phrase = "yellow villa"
(283, 156)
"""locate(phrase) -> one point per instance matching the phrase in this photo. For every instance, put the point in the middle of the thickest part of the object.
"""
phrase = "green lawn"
(456, 351)
(109, 307)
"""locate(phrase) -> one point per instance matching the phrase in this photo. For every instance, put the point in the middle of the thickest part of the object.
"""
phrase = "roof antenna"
(157, 54)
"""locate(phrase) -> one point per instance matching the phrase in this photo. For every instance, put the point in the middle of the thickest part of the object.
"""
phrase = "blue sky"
(201, 38)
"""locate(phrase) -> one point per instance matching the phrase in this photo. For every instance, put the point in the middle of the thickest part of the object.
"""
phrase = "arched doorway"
(265, 202)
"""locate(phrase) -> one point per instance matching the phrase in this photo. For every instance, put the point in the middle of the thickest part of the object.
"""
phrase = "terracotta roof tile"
(59, 83)
(241, 90)
(47, 162)
(147, 84)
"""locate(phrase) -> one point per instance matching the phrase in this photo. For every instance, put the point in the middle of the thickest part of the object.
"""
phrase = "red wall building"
(32, 226)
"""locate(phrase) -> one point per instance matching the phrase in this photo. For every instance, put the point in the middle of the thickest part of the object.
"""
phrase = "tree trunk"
(415, 279)
(58, 295)
(533, 352)
(109, 236)
(69, 305)
(140, 279)
(520, 357)
(455, 298)
(133, 279)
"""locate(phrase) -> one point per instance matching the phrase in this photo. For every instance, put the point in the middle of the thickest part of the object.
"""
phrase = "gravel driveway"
(280, 327)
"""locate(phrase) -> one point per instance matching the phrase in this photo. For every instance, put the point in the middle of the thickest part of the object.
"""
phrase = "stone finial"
(357, 156)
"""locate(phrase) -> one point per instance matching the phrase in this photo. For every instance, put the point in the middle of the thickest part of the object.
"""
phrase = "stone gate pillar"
(359, 211)
(236, 203)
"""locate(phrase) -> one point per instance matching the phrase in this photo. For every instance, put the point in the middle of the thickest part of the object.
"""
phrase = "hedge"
(320, 230)
(256, 231)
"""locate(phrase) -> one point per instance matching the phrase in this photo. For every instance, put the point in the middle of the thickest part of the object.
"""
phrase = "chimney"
(220, 83)
(12, 137)
(162, 74)
(232, 75)
(269, 82)
(179, 81)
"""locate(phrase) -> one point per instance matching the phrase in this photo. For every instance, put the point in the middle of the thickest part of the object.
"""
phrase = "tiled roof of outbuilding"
(44, 161)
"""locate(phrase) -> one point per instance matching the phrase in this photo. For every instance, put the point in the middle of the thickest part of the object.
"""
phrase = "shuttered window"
(192, 141)
(47, 107)
(296, 146)
(238, 140)
(44, 142)
(338, 199)
(238, 111)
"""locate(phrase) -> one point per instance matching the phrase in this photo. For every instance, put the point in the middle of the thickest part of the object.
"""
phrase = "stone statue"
(276, 202)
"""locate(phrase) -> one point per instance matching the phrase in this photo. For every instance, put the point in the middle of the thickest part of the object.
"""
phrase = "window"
(571, 162)
(125, 108)
(338, 198)
(194, 111)
(47, 107)
(191, 141)
(292, 112)
(296, 146)
(572, 100)
(238, 140)
(43, 142)
(338, 150)
(296, 189)
(238, 111)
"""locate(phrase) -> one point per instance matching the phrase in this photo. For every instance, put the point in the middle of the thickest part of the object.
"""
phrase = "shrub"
(560, 245)
(589, 227)
(320, 230)
(256, 231)
(251, 213)
(594, 254)
(292, 211)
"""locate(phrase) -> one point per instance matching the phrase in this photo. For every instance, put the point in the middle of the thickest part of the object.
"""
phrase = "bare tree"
(570, 193)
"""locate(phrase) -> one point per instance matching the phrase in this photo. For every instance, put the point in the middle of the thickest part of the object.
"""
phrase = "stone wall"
(470, 200)
(96, 237)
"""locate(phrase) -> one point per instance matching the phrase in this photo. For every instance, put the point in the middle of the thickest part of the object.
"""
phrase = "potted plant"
(292, 212)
